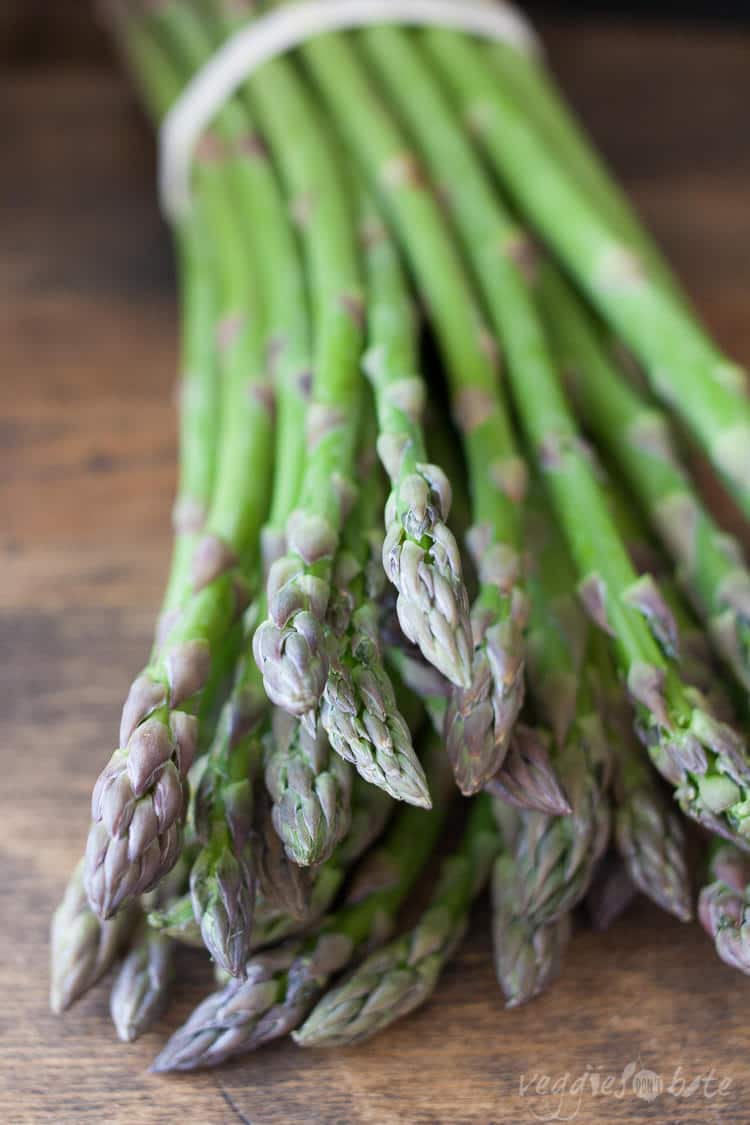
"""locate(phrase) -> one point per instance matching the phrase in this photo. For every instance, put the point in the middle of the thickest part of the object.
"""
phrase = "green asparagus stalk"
(223, 883)
(703, 688)
(83, 947)
(198, 387)
(141, 989)
(283, 984)
(198, 409)
(402, 976)
(371, 809)
(178, 922)
(723, 905)
(290, 646)
(485, 707)
(282, 883)
(611, 891)
(648, 832)
(684, 366)
(359, 711)
(703, 758)
(222, 877)
(139, 801)
(420, 554)
(698, 663)
(710, 566)
(527, 959)
(525, 79)
(527, 777)
(547, 862)
(310, 786)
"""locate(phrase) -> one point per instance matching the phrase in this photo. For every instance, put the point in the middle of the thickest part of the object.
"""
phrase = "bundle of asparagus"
(344, 237)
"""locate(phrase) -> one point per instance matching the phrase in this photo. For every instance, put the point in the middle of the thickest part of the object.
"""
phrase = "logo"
(560, 1098)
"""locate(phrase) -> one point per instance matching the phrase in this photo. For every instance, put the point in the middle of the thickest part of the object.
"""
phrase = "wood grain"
(87, 323)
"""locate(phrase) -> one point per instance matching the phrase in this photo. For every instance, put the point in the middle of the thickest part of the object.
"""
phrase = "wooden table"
(87, 324)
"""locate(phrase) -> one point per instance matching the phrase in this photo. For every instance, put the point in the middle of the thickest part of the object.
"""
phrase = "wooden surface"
(87, 324)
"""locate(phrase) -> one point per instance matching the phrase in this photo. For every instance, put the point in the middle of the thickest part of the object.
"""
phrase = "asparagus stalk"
(485, 706)
(178, 922)
(141, 989)
(710, 566)
(198, 387)
(527, 959)
(222, 877)
(295, 811)
(139, 801)
(282, 985)
(647, 831)
(223, 883)
(401, 976)
(359, 711)
(282, 883)
(684, 366)
(420, 554)
(371, 808)
(83, 947)
(547, 862)
(290, 645)
(310, 787)
(198, 408)
(698, 665)
(723, 905)
(524, 79)
(703, 758)
(527, 778)
(611, 891)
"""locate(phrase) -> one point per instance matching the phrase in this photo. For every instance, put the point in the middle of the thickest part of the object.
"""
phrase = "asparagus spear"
(525, 79)
(359, 711)
(401, 976)
(371, 808)
(528, 958)
(282, 985)
(648, 833)
(547, 862)
(83, 947)
(710, 566)
(723, 905)
(290, 646)
(139, 801)
(684, 366)
(222, 877)
(140, 992)
(703, 758)
(141, 989)
(178, 922)
(420, 554)
(611, 891)
(310, 787)
(282, 883)
(698, 664)
(198, 387)
(483, 709)
(296, 810)
(527, 778)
